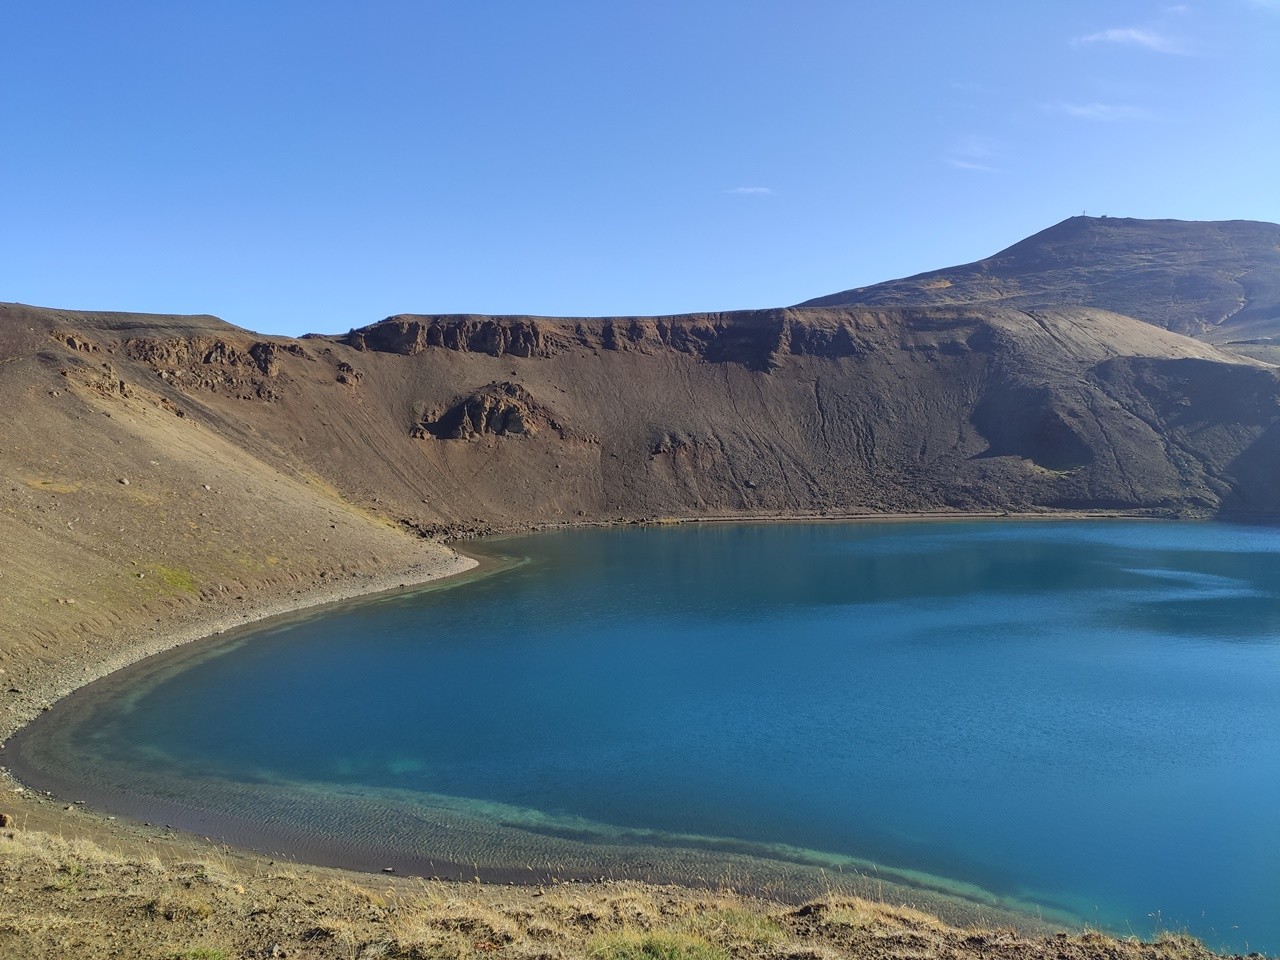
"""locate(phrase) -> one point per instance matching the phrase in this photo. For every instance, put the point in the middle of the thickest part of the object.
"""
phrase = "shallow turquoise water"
(1080, 715)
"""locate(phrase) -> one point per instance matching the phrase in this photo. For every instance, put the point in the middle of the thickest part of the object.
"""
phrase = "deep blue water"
(1085, 715)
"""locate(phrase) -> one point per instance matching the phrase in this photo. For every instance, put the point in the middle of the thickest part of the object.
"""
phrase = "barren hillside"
(1214, 281)
(160, 461)
(156, 464)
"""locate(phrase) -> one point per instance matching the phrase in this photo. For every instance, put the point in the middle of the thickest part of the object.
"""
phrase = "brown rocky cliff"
(848, 409)
(757, 339)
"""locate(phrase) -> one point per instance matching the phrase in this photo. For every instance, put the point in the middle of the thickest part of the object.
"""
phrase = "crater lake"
(1078, 721)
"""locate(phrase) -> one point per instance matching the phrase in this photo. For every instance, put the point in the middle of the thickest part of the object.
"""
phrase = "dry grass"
(71, 898)
(660, 945)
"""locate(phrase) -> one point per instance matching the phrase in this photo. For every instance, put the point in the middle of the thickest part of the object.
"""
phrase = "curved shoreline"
(450, 567)
(446, 562)
(784, 874)
(202, 625)
(131, 646)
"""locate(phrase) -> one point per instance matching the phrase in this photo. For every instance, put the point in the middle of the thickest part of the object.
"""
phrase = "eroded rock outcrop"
(758, 339)
(215, 364)
(520, 337)
(499, 409)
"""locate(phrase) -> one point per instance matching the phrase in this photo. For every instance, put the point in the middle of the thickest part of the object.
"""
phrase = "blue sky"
(312, 166)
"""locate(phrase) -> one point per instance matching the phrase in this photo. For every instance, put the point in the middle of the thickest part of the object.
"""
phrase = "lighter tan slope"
(123, 519)
(1091, 336)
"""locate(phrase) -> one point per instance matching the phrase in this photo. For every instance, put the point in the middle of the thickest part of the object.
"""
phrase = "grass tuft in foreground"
(665, 945)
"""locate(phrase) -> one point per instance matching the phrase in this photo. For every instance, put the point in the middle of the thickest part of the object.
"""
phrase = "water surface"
(1079, 717)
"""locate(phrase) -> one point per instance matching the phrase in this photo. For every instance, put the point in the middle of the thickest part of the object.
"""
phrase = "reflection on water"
(1082, 716)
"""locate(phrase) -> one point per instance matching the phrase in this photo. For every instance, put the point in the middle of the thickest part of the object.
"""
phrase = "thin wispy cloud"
(1143, 38)
(750, 191)
(973, 153)
(1103, 112)
(970, 165)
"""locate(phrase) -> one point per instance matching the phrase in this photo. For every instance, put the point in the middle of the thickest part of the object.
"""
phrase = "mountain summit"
(1217, 281)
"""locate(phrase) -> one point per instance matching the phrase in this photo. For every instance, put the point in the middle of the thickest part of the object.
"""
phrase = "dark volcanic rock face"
(494, 336)
(1033, 424)
(245, 370)
(1219, 281)
(755, 339)
(500, 410)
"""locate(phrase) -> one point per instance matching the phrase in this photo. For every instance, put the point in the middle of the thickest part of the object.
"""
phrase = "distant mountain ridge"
(1217, 281)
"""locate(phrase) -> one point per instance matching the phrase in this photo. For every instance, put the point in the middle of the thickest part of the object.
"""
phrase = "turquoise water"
(1081, 716)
